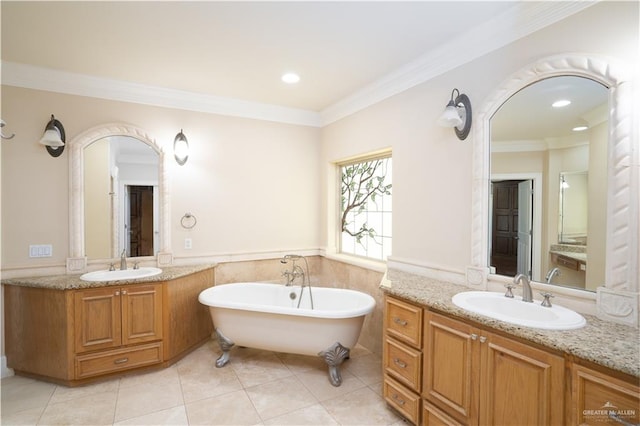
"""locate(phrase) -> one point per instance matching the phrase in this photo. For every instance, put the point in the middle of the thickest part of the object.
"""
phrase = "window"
(365, 208)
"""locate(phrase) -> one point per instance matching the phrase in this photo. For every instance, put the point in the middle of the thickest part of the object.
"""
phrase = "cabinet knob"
(397, 399)
(483, 339)
(399, 321)
(474, 336)
(399, 363)
(124, 292)
(117, 293)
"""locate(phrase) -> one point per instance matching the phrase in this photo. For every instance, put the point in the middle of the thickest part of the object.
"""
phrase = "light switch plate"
(40, 250)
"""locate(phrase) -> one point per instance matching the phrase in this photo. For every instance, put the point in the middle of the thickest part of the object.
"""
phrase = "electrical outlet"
(187, 244)
(41, 250)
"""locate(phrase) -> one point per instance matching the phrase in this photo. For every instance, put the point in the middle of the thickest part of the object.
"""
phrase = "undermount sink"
(118, 275)
(515, 311)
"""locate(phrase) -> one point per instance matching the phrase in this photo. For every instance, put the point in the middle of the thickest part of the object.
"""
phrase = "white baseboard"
(6, 372)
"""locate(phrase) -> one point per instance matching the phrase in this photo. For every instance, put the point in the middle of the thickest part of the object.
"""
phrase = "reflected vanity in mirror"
(121, 203)
(540, 194)
(118, 198)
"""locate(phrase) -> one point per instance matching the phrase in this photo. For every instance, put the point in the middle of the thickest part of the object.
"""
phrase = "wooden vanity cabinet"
(74, 336)
(109, 317)
(402, 357)
(481, 378)
(117, 318)
(473, 375)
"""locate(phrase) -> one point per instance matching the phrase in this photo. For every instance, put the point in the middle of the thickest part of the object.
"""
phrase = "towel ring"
(188, 221)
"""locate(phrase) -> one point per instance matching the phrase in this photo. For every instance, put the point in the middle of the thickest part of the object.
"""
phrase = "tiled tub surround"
(604, 343)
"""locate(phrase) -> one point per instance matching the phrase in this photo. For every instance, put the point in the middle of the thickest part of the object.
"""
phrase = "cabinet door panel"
(141, 313)
(450, 369)
(97, 319)
(521, 385)
(599, 399)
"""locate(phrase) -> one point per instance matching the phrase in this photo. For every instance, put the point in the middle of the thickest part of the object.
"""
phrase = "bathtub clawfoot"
(225, 344)
(334, 356)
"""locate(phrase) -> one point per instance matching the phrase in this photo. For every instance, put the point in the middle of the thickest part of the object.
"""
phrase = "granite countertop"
(605, 343)
(582, 257)
(73, 282)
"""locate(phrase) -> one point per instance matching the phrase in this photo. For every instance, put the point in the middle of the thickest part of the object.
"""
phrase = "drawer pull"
(397, 399)
(121, 360)
(400, 321)
(399, 363)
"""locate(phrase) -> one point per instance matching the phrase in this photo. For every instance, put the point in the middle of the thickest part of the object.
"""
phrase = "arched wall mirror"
(548, 175)
(119, 197)
(608, 241)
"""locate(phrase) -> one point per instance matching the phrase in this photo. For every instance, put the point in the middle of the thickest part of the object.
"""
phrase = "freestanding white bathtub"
(267, 316)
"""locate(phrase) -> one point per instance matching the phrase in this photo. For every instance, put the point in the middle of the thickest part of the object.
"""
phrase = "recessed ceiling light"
(580, 128)
(290, 78)
(561, 103)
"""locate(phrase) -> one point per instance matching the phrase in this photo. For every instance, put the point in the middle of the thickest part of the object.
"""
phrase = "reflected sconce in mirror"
(54, 137)
(457, 114)
(2, 124)
(181, 148)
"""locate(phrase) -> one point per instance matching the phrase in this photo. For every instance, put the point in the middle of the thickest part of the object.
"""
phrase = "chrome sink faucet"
(123, 260)
(527, 294)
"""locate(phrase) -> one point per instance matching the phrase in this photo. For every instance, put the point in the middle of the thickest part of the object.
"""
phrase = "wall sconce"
(54, 137)
(181, 148)
(457, 114)
(2, 135)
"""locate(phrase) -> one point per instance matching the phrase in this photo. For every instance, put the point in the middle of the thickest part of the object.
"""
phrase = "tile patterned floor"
(256, 388)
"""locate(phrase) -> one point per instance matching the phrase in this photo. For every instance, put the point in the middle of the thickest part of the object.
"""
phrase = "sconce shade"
(457, 114)
(54, 137)
(181, 148)
(450, 117)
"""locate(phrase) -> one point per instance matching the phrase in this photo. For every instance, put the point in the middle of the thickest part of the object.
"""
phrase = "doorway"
(139, 220)
(511, 227)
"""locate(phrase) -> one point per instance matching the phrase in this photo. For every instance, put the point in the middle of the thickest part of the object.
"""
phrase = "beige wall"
(257, 186)
(97, 206)
(597, 217)
(432, 168)
(251, 184)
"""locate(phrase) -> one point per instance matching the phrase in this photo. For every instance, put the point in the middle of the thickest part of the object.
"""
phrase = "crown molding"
(519, 21)
(31, 77)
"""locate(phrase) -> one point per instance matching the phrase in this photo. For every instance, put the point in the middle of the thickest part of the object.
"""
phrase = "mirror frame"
(618, 299)
(77, 261)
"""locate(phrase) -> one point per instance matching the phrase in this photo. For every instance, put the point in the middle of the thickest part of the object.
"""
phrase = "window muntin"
(364, 223)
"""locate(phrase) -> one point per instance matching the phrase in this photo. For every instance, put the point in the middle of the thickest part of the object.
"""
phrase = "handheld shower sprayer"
(286, 258)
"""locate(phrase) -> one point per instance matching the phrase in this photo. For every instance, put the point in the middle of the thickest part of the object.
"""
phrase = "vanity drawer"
(118, 360)
(403, 321)
(403, 400)
(403, 363)
(432, 416)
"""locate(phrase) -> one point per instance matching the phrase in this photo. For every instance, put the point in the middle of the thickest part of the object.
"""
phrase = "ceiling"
(529, 116)
(239, 50)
